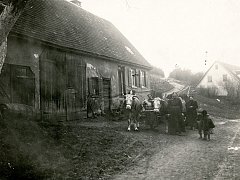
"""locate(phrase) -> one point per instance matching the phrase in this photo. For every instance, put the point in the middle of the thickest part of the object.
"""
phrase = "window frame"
(143, 78)
(94, 86)
(225, 78)
(134, 77)
(210, 79)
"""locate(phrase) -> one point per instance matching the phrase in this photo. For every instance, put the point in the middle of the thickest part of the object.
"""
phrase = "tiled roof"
(64, 24)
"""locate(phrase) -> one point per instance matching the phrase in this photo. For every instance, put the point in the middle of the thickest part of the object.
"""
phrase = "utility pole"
(205, 58)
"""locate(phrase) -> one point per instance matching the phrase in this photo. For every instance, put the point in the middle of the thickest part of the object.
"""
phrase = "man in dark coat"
(191, 107)
(175, 110)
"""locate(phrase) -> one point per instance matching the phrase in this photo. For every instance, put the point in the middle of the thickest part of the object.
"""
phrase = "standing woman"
(192, 106)
(182, 119)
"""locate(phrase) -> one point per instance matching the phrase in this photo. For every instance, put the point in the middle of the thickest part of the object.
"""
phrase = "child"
(205, 126)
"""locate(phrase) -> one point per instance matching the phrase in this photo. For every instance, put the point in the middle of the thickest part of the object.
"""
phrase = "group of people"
(182, 112)
(185, 113)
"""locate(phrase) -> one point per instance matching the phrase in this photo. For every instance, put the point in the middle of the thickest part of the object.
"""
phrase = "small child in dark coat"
(205, 125)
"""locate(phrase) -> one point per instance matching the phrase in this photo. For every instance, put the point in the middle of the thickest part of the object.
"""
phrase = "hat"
(204, 112)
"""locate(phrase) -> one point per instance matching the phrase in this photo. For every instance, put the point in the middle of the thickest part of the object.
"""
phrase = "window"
(93, 85)
(22, 71)
(134, 77)
(216, 67)
(209, 78)
(143, 80)
(18, 84)
(224, 77)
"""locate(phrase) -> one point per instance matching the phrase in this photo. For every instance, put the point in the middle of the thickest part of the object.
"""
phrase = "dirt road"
(177, 87)
(187, 157)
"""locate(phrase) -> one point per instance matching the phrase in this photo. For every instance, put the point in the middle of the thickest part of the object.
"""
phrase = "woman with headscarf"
(191, 107)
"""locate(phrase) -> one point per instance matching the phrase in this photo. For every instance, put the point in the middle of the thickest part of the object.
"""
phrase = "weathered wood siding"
(23, 53)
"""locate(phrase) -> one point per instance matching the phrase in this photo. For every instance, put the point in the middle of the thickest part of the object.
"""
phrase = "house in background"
(221, 78)
(58, 53)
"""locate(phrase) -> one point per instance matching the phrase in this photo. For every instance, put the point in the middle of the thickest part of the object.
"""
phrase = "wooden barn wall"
(76, 68)
(63, 83)
(52, 79)
(25, 53)
(63, 71)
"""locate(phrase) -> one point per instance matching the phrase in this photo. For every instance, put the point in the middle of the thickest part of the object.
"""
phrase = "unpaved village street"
(187, 157)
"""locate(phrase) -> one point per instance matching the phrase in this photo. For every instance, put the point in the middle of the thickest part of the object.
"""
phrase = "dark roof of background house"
(64, 24)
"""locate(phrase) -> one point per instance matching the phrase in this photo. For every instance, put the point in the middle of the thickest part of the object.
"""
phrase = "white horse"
(157, 104)
(133, 109)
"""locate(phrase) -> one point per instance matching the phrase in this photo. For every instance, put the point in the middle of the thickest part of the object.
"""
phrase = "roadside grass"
(219, 107)
(34, 150)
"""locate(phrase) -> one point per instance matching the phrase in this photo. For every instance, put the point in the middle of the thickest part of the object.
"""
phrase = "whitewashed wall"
(217, 79)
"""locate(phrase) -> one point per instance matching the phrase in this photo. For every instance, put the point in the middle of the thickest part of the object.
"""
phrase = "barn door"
(107, 93)
(52, 87)
(50, 91)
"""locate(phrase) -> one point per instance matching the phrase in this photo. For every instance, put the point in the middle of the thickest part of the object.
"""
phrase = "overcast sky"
(170, 32)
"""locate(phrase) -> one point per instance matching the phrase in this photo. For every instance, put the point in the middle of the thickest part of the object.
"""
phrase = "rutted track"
(187, 157)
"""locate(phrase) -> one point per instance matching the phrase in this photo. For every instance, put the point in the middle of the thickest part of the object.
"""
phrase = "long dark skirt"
(173, 124)
(192, 119)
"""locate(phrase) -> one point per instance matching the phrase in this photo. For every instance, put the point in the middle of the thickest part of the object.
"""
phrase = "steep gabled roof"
(64, 24)
(230, 68)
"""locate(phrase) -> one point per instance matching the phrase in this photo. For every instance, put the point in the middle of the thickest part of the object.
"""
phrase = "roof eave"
(14, 34)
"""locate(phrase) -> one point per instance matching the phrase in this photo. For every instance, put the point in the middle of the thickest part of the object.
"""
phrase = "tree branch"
(8, 17)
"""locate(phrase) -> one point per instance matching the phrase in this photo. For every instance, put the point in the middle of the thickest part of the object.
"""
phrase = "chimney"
(76, 2)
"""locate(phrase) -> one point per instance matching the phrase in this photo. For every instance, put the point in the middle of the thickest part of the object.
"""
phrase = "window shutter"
(130, 77)
(145, 78)
(133, 75)
(139, 78)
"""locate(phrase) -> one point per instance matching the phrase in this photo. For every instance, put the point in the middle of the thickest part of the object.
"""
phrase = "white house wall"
(217, 79)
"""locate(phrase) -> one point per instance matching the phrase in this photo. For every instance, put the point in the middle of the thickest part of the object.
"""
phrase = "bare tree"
(11, 10)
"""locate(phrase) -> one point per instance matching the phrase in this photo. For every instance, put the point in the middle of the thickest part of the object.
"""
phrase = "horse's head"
(157, 104)
(128, 101)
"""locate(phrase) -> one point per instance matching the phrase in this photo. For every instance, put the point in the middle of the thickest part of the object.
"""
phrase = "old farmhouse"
(221, 79)
(58, 53)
